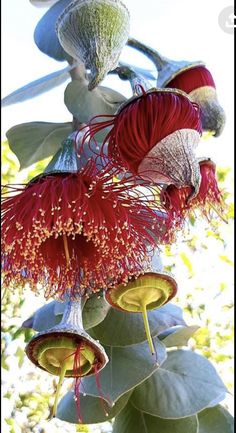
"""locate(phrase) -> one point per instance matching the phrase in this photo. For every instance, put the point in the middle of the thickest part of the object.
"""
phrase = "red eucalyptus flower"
(153, 135)
(76, 231)
(199, 84)
(176, 201)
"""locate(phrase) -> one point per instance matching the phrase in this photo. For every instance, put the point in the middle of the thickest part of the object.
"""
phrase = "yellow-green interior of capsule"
(55, 352)
(151, 291)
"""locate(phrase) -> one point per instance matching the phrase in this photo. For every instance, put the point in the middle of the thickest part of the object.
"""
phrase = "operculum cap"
(94, 33)
(212, 114)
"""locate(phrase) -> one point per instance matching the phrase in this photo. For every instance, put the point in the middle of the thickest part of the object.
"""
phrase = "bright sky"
(179, 29)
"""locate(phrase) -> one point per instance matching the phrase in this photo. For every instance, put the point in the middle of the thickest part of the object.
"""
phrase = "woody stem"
(152, 54)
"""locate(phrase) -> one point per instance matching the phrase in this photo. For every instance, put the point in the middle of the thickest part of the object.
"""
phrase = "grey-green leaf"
(94, 311)
(45, 35)
(93, 409)
(177, 335)
(122, 329)
(31, 142)
(44, 318)
(37, 87)
(131, 420)
(185, 384)
(127, 367)
(85, 104)
(215, 420)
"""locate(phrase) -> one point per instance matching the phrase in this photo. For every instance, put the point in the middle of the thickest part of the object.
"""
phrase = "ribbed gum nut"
(52, 353)
(172, 161)
(212, 114)
(147, 292)
(94, 32)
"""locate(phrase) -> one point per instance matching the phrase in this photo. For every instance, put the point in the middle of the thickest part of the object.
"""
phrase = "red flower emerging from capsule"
(192, 78)
(154, 136)
(76, 232)
(199, 84)
(177, 203)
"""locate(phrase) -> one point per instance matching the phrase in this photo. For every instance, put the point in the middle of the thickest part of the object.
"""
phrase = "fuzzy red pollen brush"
(154, 135)
(209, 197)
(199, 84)
(75, 231)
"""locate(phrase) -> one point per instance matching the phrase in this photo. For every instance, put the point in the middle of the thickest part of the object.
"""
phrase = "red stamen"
(77, 373)
(104, 224)
(209, 197)
(192, 79)
(143, 123)
(77, 399)
(102, 398)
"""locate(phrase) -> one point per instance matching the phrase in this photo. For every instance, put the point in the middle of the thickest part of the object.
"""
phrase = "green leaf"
(122, 329)
(4, 363)
(131, 420)
(93, 409)
(185, 384)
(127, 367)
(44, 318)
(37, 87)
(226, 260)
(85, 104)
(34, 141)
(187, 262)
(45, 35)
(20, 353)
(94, 311)
(215, 420)
(177, 335)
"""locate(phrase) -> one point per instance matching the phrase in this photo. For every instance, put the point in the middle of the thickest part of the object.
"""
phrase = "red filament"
(192, 79)
(176, 202)
(108, 229)
(143, 122)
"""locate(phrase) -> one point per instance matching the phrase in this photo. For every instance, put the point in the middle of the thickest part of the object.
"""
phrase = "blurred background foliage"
(202, 263)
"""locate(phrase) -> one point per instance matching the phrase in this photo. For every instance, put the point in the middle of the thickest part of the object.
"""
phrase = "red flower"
(177, 202)
(76, 232)
(192, 78)
(153, 136)
(199, 84)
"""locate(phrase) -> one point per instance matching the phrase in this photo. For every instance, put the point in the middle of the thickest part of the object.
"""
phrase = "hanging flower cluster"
(77, 232)
(154, 136)
(94, 219)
